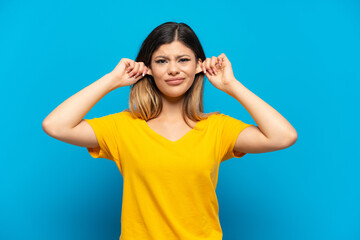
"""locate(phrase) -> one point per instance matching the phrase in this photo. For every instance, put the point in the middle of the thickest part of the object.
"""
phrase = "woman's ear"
(198, 66)
(149, 72)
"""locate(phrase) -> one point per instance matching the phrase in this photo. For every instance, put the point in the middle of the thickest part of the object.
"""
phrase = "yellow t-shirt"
(168, 186)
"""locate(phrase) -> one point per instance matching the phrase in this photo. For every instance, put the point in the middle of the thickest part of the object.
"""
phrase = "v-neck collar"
(159, 136)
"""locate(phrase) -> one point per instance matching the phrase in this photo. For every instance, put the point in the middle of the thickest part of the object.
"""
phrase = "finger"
(217, 63)
(141, 69)
(131, 66)
(219, 60)
(213, 62)
(128, 64)
(205, 64)
(145, 71)
(125, 62)
(222, 55)
(204, 69)
(223, 58)
(202, 65)
(208, 67)
(135, 71)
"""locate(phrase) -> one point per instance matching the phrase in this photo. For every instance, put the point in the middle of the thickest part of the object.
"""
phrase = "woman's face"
(174, 60)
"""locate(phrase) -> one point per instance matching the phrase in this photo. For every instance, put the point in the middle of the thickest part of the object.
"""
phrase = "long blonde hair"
(145, 100)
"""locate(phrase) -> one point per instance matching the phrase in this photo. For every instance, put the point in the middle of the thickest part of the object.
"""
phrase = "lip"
(174, 81)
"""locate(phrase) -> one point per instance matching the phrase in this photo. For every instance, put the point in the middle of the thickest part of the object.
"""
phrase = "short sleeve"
(105, 129)
(230, 128)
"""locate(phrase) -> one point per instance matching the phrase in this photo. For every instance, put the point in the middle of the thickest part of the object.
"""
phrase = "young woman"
(166, 148)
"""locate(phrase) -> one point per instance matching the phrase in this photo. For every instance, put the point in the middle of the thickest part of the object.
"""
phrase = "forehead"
(175, 48)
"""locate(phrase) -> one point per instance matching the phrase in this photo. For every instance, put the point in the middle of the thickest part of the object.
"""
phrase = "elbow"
(290, 140)
(285, 141)
(47, 129)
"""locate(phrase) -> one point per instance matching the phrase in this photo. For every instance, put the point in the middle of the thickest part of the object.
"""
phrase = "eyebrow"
(176, 57)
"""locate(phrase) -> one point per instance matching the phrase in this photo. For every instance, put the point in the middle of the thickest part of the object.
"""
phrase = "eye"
(160, 61)
(181, 60)
(184, 59)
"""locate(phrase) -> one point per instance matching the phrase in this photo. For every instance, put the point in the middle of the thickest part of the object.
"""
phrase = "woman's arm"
(271, 123)
(66, 123)
(273, 133)
(69, 113)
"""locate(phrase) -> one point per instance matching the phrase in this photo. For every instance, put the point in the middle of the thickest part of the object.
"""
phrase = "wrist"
(110, 81)
(231, 85)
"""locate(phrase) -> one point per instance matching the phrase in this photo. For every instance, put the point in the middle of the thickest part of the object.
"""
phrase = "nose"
(173, 68)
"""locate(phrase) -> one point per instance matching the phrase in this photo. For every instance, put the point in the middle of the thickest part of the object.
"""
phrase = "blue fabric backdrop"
(301, 57)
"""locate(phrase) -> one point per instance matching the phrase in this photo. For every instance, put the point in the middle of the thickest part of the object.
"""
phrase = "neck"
(172, 108)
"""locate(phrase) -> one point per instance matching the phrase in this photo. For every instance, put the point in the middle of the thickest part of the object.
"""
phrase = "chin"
(176, 94)
(175, 91)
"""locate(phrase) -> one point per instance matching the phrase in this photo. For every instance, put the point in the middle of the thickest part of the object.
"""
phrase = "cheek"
(191, 68)
(158, 71)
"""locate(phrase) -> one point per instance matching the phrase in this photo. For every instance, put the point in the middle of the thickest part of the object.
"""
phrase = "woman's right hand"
(128, 72)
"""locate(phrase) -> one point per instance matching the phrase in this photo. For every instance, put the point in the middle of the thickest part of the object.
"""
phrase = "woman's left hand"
(219, 71)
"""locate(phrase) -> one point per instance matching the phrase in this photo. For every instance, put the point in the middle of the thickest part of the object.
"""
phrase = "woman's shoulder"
(220, 118)
(117, 116)
(127, 116)
(212, 115)
(124, 115)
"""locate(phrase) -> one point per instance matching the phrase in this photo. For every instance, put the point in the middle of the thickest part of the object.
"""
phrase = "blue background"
(301, 57)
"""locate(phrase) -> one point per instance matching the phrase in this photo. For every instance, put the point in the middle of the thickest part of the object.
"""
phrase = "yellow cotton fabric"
(168, 186)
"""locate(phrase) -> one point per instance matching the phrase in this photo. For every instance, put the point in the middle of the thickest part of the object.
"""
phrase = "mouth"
(174, 81)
